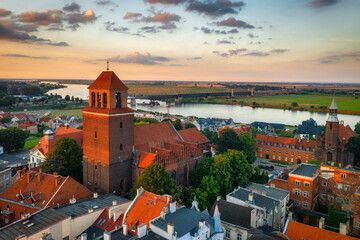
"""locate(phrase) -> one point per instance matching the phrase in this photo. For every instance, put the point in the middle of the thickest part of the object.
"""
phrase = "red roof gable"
(147, 207)
(300, 231)
(193, 135)
(109, 224)
(346, 133)
(44, 119)
(146, 159)
(27, 124)
(155, 134)
(108, 80)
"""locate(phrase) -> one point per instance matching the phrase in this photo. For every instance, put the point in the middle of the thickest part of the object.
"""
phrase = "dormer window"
(308, 149)
(275, 144)
(281, 145)
(269, 143)
(262, 142)
(293, 146)
(300, 147)
(287, 145)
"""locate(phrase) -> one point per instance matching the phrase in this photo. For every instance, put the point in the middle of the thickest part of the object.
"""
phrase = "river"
(243, 114)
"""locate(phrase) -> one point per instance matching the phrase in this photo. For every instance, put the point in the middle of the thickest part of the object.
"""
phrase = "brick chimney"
(39, 176)
(27, 177)
(19, 174)
(56, 177)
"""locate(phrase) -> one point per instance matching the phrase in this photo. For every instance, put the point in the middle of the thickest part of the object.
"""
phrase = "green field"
(66, 112)
(347, 104)
(29, 144)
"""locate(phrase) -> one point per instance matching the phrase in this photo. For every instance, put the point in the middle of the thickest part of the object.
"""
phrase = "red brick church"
(331, 147)
(116, 152)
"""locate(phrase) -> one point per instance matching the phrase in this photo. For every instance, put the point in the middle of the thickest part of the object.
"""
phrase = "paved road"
(277, 167)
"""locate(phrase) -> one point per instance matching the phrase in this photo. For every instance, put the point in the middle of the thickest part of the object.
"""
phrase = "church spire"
(333, 112)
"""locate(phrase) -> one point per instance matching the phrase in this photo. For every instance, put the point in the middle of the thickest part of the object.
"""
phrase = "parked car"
(271, 168)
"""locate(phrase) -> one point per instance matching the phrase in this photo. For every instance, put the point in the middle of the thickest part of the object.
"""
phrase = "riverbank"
(347, 104)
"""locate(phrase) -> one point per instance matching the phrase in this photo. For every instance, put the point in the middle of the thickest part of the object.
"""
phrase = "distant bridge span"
(192, 95)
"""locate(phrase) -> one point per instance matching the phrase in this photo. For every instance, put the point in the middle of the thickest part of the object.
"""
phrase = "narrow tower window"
(330, 126)
(95, 135)
(99, 100)
(121, 147)
(118, 100)
(121, 125)
(93, 99)
(104, 100)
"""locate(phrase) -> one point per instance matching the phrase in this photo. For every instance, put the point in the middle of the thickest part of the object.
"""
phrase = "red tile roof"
(108, 80)
(109, 224)
(300, 231)
(145, 208)
(6, 114)
(26, 124)
(45, 119)
(193, 135)
(303, 142)
(42, 189)
(346, 133)
(146, 159)
(155, 134)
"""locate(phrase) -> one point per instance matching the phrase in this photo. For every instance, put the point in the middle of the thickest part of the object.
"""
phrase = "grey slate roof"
(276, 193)
(306, 170)
(40, 220)
(81, 207)
(8, 160)
(184, 220)
(118, 235)
(233, 213)
(309, 127)
(258, 199)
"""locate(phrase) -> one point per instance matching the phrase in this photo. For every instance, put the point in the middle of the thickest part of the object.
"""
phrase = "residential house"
(5, 178)
(34, 191)
(269, 207)
(47, 142)
(213, 124)
(185, 223)
(236, 220)
(289, 150)
(3, 126)
(308, 128)
(46, 121)
(268, 127)
(302, 183)
(29, 126)
(241, 128)
(11, 161)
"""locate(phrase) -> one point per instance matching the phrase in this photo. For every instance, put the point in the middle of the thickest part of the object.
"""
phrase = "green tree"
(202, 169)
(67, 98)
(247, 145)
(5, 120)
(353, 147)
(189, 125)
(357, 128)
(72, 98)
(155, 179)
(294, 104)
(285, 134)
(13, 138)
(228, 140)
(221, 171)
(81, 101)
(207, 192)
(177, 124)
(65, 159)
(255, 131)
(212, 136)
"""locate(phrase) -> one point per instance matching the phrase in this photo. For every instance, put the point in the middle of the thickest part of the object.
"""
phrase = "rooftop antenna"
(107, 65)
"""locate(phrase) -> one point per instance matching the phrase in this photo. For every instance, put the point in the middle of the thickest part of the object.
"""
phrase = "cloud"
(15, 32)
(279, 50)
(110, 26)
(142, 59)
(232, 22)
(150, 29)
(166, 19)
(257, 54)
(322, 3)
(207, 30)
(339, 57)
(42, 18)
(4, 12)
(224, 41)
(73, 7)
(166, 2)
(105, 3)
(252, 35)
(194, 58)
(22, 56)
(236, 51)
(215, 8)
(75, 18)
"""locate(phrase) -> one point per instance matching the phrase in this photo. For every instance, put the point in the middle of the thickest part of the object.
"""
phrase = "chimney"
(28, 177)
(114, 203)
(39, 176)
(290, 215)
(251, 196)
(343, 229)
(170, 228)
(173, 206)
(139, 191)
(56, 180)
(125, 229)
(19, 174)
(84, 236)
(107, 235)
(322, 223)
(95, 195)
(141, 230)
(72, 200)
(90, 210)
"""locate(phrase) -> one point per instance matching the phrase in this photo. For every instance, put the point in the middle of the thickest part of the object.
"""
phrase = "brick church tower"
(332, 133)
(108, 132)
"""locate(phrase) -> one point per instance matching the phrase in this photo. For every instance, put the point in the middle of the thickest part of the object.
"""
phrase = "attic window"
(269, 143)
(300, 147)
(281, 144)
(275, 144)
(101, 222)
(293, 146)
(287, 145)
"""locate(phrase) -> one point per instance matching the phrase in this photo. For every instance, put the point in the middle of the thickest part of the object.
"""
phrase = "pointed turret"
(333, 112)
(217, 221)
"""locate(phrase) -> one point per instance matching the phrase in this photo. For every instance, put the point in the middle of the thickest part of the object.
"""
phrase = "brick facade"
(284, 149)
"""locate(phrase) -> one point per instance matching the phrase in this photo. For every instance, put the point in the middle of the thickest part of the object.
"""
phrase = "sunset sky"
(195, 40)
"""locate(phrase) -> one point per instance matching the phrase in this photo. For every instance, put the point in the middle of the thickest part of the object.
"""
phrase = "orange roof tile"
(300, 231)
(108, 80)
(193, 135)
(145, 208)
(109, 223)
(155, 134)
(44, 119)
(303, 142)
(27, 124)
(146, 159)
